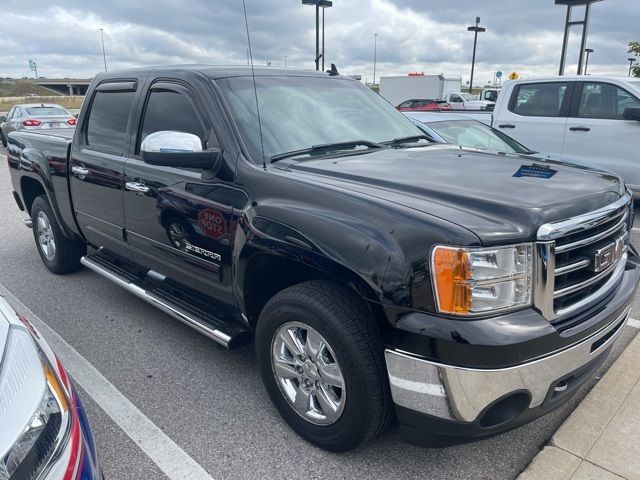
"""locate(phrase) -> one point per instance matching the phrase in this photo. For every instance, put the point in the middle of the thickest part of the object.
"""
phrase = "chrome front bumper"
(464, 394)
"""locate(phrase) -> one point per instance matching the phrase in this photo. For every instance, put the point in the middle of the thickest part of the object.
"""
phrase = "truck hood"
(496, 197)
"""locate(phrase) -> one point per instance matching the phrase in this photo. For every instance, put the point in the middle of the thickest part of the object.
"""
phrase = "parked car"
(376, 271)
(45, 433)
(33, 116)
(467, 132)
(466, 101)
(424, 104)
(591, 120)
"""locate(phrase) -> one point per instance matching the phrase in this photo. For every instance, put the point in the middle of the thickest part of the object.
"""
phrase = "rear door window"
(539, 99)
(604, 100)
(108, 119)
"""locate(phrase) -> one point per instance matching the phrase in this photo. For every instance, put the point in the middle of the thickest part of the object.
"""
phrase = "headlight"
(25, 371)
(470, 281)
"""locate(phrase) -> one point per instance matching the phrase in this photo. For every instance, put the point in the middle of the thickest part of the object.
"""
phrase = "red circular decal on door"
(212, 222)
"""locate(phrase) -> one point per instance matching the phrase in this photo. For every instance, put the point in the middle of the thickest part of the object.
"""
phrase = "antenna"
(253, 76)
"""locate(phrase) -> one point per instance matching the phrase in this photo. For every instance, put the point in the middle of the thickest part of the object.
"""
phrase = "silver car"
(34, 116)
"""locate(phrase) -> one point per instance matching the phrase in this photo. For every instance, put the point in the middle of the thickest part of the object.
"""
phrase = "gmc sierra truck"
(378, 274)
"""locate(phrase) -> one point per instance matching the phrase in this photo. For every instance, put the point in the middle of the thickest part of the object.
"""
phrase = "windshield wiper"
(411, 139)
(326, 147)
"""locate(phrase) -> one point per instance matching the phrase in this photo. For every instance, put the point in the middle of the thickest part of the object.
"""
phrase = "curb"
(601, 437)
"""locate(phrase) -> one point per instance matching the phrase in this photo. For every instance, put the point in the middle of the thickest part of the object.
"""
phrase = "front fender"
(389, 258)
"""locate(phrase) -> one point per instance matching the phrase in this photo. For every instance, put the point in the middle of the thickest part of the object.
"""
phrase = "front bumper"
(439, 403)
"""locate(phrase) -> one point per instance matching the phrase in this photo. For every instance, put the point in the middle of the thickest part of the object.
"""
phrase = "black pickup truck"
(379, 275)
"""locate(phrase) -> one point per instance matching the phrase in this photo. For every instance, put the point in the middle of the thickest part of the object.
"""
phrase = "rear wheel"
(58, 253)
(320, 358)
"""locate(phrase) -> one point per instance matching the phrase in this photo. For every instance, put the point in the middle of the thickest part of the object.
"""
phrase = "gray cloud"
(414, 35)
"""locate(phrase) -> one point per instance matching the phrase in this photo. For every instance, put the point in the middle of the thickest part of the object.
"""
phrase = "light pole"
(319, 4)
(104, 55)
(586, 62)
(375, 55)
(631, 60)
(476, 29)
(570, 4)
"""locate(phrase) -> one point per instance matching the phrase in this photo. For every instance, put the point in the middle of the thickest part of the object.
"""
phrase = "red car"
(424, 104)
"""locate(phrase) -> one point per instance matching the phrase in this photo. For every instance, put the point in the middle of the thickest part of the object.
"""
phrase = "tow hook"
(28, 223)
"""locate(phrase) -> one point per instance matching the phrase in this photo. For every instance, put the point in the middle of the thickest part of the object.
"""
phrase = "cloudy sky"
(429, 36)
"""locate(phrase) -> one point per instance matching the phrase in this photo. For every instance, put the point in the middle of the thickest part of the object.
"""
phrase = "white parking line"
(632, 322)
(163, 451)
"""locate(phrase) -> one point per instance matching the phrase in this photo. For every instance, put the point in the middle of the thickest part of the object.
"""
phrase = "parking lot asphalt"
(210, 401)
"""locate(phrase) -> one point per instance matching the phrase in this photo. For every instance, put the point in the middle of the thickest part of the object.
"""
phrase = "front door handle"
(80, 171)
(138, 187)
(579, 129)
(506, 125)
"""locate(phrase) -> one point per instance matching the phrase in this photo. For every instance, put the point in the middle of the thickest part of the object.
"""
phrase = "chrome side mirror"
(180, 150)
(171, 142)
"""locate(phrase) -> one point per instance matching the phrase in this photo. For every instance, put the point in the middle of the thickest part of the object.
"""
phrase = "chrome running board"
(232, 335)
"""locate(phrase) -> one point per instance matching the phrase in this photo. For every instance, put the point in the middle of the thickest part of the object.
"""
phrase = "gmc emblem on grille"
(609, 255)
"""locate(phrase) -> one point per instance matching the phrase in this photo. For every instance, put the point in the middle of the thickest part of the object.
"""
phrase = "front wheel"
(3, 140)
(320, 358)
(58, 253)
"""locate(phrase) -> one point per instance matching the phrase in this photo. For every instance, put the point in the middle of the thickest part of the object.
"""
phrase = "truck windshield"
(301, 112)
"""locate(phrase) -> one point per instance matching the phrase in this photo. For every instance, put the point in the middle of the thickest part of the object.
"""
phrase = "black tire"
(3, 140)
(67, 254)
(341, 317)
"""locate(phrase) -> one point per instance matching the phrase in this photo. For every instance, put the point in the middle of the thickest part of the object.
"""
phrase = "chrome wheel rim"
(46, 240)
(307, 373)
(177, 235)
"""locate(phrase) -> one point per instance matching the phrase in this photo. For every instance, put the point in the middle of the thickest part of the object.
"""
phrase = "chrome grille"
(580, 260)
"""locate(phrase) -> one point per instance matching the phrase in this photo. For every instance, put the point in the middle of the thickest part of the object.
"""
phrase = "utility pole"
(104, 55)
(476, 29)
(375, 55)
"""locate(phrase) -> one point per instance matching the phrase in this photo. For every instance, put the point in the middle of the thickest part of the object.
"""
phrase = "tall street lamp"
(104, 55)
(476, 29)
(375, 55)
(319, 4)
(631, 60)
(586, 62)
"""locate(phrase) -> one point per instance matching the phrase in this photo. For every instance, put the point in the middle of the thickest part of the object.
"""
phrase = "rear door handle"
(80, 171)
(506, 125)
(579, 129)
(136, 187)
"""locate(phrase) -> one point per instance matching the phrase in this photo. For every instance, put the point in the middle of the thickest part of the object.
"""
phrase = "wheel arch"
(264, 274)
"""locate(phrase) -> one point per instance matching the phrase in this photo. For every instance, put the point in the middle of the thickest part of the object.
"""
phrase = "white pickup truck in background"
(589, 120)
(466, 101)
